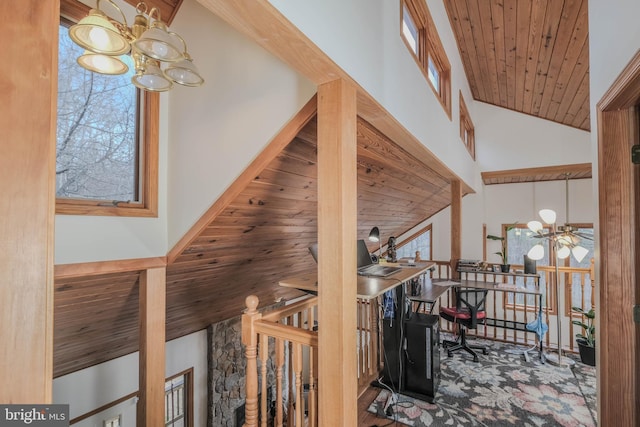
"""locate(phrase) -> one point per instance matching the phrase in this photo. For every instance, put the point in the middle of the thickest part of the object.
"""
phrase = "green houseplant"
(586, 338)
(505, 266)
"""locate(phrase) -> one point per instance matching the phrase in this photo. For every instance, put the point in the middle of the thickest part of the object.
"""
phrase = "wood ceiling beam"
(545, 173)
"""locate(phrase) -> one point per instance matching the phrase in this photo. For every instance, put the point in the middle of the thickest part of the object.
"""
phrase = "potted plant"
(505, 266)
(587, 338)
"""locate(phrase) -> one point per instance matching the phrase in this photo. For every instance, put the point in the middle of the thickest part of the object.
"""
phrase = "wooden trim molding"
(65, 271)
(545, 173)
(284, 137)
(618, 284)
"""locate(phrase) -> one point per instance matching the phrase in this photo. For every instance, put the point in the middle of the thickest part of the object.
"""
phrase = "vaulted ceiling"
(530, 56)
(263, 229)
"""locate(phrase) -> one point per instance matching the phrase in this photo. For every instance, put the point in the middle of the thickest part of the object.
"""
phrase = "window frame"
(430, 49)
(429, 228)
(467, 130)
(188, 395)
(147, 180)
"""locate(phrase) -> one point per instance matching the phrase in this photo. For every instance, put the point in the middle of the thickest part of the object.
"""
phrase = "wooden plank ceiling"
(530, 56)
(259, 238)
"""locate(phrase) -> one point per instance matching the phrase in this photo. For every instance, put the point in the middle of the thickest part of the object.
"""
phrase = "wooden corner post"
(337, 232)
(152, 347)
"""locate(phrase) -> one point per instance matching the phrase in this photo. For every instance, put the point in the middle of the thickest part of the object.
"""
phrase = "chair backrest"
(470, 300)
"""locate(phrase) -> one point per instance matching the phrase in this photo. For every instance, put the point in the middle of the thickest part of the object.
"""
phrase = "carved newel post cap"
(252, 303)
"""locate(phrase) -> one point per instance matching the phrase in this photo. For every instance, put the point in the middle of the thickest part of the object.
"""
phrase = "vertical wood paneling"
(28, 121)
(526, 55)
(337, 213)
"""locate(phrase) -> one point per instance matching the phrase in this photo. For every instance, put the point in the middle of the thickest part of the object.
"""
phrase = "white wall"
(208, 135)
(218, 129)
(363, 38)
(509, 140)
(93, 387)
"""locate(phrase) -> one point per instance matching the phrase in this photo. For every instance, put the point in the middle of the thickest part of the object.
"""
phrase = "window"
(419, 34)
(467, 131)
(107, 136)
(419, 242)
(578, 291)
(178, 399)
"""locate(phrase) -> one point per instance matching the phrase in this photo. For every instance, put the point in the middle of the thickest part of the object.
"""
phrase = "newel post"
(250, 341)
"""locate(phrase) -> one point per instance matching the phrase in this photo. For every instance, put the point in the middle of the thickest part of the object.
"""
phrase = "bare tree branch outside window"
(97, 141)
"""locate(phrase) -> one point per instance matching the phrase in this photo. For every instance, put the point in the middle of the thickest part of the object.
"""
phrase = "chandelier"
(160, 56)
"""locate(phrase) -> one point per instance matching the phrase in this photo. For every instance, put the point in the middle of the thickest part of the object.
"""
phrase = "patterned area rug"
(503, 389)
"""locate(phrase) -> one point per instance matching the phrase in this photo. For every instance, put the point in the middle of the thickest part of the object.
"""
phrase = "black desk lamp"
(374, 236)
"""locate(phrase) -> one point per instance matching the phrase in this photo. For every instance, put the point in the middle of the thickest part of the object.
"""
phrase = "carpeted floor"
(502, 389)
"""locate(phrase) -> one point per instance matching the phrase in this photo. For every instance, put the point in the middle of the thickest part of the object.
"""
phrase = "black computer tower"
(391, 338)
(422, 356)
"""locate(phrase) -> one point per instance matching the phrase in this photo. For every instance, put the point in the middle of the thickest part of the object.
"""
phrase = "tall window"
(419, 34)
(419, 242)
(467, 131)
(106, 148)
(178, 400)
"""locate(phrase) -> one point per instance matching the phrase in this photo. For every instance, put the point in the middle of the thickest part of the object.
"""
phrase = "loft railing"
(281, 349)
(576, 284)
(281, 346)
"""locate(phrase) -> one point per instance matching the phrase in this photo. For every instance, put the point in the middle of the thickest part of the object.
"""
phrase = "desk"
(430, 291)
(367, 287)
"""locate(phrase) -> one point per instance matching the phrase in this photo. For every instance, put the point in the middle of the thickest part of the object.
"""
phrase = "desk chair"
(468, 312)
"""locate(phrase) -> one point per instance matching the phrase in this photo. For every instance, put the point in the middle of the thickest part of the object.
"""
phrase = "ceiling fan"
(565, 238)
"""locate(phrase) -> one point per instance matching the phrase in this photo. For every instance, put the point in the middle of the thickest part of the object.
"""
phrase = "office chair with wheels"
(468, 312)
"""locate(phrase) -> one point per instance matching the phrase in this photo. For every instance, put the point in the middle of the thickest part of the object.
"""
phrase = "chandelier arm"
(184, 43)
(157, 11)
(125, 31)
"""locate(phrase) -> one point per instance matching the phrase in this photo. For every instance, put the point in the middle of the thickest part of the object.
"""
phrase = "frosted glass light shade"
(103, 64)
(184, 72)
(94, 32)
(158, 44)
(151, 79)
(548, 216)
(563, 252)
(535, 226)
(536, 252)
(579, 253)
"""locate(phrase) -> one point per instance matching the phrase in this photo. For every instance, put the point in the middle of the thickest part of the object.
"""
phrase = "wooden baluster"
(291, 390)
(312, 397)
(250, 341)
(299, 397)
(279, 386)
(264, 357)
